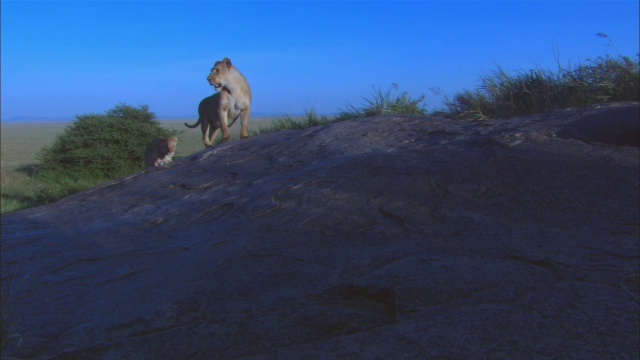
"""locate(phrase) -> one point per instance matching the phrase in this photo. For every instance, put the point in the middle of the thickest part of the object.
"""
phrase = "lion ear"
(227, 61)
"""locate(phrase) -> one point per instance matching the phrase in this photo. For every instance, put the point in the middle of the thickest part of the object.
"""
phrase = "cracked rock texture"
(391, 237)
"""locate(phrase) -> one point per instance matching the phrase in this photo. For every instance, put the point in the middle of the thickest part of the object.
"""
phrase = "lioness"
(160, 151)
(232, 101)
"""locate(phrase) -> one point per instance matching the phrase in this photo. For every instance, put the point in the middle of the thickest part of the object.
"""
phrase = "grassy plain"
(21, 141)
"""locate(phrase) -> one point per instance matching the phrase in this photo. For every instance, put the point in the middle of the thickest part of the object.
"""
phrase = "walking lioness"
(222, 109)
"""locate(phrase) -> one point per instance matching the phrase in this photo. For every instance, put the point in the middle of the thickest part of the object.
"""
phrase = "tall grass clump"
(383, 103)
(604, 79)
(380, 103)
(100, 147)
(502, 94)
(287, 122)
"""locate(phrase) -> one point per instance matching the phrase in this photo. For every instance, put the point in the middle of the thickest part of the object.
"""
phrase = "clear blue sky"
(61, 59)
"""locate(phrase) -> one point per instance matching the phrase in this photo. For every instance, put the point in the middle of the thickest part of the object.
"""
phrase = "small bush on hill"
(380, 103)
(385, 103)
(98, 147)
(287, 122)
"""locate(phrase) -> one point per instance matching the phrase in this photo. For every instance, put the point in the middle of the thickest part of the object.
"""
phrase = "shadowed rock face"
(388, 237)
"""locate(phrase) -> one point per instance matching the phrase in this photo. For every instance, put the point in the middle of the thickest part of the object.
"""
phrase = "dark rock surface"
(394, 237)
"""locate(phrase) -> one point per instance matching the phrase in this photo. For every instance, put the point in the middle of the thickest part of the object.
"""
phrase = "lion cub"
(160, 151)
(221, 110)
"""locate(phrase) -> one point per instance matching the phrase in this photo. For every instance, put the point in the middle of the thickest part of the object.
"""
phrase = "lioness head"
(219, 73)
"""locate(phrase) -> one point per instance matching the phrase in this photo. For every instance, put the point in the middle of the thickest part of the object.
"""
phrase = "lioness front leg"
(224, 126)
(244, 130)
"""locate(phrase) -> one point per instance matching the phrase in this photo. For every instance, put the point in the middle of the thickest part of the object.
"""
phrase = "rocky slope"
(393, 237)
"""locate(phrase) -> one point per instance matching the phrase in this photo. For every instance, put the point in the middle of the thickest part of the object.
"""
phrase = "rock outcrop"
(391, 237)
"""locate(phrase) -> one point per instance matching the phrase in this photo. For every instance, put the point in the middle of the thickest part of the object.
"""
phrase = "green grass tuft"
(504, 95)
(287, 122)
(384, 103)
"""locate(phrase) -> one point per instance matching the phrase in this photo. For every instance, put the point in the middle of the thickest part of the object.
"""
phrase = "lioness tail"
(194, 125)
